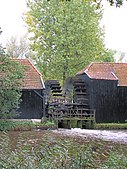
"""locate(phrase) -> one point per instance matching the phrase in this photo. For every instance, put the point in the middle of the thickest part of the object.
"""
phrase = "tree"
(11, 75)
(116, 3)
(18, 48)
(66, 36)
(120, 56)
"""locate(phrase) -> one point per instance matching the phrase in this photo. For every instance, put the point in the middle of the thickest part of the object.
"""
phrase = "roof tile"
(33, 78)
(107, 70)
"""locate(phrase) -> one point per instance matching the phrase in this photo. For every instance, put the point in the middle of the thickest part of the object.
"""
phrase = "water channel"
(36, 136)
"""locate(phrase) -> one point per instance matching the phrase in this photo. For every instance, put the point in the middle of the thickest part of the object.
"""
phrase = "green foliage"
(11, 76)
(111, 126)
(116, 160)
(55, 152)
(66, 36)
(116, 3)
(10, 81)
(15, 125)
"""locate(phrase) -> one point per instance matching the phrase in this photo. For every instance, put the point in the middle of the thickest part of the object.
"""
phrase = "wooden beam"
(42, 97)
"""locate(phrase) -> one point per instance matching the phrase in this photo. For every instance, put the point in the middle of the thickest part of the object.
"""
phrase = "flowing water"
(36, 136)
(119, 136)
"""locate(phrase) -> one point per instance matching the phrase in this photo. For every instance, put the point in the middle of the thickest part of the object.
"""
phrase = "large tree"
(65, 36)
(11, 76)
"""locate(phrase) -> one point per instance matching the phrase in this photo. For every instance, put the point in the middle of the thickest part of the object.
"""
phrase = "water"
(119, 136)
(26, 137)
(63, 143)
(35, 137)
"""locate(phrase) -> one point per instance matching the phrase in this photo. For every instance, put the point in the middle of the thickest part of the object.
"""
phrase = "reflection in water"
(37, 148)
(25, 137)
(36, 137)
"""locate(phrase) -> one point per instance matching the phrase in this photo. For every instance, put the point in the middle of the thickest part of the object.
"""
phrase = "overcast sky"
(114, 20)
(11, 22)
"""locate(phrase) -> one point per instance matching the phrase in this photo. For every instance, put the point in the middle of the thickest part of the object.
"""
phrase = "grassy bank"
(111, 126)
(51, 151)
(7, 125)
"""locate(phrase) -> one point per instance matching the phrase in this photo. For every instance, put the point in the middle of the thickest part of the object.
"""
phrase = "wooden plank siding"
(122, 103)
(31, 106)
(107, 98)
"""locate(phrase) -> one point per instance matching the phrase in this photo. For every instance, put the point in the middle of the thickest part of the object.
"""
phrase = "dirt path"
(109, 135)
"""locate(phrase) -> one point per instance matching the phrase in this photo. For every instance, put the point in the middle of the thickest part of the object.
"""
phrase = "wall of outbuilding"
(107, 98)
(31, 106)
(122, 103)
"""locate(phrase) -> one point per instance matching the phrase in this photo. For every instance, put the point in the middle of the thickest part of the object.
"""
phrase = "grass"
(111, 126)
(7, 125)
(60, 152)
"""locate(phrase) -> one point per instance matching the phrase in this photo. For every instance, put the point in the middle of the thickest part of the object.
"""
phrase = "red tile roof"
(33, 78)
(106, 70)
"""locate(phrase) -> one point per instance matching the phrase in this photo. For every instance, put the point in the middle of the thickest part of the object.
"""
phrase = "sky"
(114, 21)
(11, 22)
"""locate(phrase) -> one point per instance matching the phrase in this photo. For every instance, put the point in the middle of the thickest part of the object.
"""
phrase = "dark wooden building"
(106, 90)
(32, 104)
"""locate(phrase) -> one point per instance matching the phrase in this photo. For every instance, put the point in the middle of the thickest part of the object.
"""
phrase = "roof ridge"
(34, 67)
(114, 75)
(37, 72)
(89, 66)
(108, 63)
(30, 64)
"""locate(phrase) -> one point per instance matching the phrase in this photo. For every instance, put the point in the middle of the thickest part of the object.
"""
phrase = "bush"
(12, 74)
(12, 125)
(6, 125)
